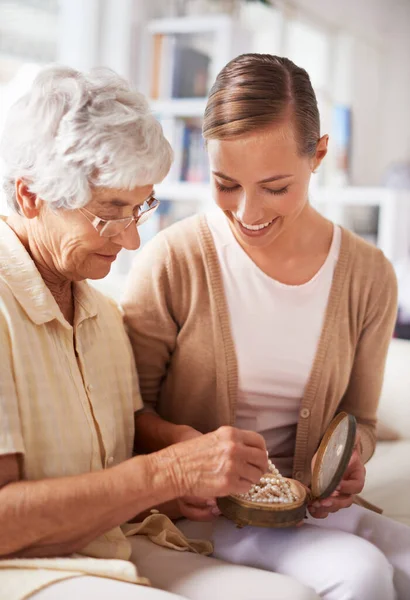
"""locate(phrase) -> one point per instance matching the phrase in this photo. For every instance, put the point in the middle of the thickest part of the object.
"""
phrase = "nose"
(250, 208)
(129, 238)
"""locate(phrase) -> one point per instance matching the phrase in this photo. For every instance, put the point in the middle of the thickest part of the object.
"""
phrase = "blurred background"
(356, 52)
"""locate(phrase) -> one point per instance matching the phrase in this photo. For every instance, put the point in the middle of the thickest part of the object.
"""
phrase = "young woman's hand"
(198, 509)
(351, 484)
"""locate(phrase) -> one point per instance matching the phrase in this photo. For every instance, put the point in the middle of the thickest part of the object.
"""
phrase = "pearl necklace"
(272, 488)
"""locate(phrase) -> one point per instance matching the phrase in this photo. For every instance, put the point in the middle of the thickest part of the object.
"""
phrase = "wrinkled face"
(69, 241)
(261, 182)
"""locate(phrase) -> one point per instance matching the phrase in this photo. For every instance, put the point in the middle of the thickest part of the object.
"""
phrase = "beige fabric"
(20, 578)
(67, 402)
(163, 532)
(178, 322)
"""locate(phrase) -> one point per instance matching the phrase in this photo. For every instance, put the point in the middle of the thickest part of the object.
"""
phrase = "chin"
(98, 274)
(95, 272)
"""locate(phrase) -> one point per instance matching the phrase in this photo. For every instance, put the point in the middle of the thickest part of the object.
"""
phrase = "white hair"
(74, 130)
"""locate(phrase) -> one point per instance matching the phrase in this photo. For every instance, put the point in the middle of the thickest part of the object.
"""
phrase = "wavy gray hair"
(74, 130)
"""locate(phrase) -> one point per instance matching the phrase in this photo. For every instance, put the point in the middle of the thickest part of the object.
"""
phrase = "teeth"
(255, 227)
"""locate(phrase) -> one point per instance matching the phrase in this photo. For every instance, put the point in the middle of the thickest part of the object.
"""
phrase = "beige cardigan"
(176, 312)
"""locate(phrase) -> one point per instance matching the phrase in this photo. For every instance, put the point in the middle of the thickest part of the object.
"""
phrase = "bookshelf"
(185, 54)
(392, 233)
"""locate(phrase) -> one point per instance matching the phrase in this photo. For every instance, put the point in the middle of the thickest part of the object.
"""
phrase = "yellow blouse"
(67, 394)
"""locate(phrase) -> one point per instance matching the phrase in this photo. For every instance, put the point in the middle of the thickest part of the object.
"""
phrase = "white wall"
(380, 78)
(394, 128)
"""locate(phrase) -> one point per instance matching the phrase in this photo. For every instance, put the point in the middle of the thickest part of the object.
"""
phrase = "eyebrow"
(122, 203)
(269, 179)
(116, 202)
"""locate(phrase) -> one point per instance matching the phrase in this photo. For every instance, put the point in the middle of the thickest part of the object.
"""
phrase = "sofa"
(388, 471)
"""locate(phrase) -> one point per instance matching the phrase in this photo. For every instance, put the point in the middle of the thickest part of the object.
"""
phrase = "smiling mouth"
(255, 227)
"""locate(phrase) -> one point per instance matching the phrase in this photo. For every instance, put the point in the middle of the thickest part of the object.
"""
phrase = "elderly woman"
(265, 315)
(81, 155)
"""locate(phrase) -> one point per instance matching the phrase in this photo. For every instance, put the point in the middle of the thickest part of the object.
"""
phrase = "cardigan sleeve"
(363, 392)
(148, 317)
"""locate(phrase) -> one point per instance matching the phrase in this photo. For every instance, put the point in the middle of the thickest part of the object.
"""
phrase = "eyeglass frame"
(96, 221)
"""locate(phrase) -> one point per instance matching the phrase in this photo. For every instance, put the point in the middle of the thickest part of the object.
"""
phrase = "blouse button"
(110, 460)
(90, 387)
(298, 475)
(305, 413)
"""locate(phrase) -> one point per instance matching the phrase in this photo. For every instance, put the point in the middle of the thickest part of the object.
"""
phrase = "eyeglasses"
(114, 227)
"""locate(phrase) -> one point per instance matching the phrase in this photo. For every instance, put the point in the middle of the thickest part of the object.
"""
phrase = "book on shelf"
(162, 65)
(190, 73)
(178, 70)
(194, 158)
(190, 158)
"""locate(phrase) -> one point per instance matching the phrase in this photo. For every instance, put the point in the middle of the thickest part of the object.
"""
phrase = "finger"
(335, 504)
(253, 439)
(318, 513)
(352, 486)
(200, 514)
(333, 500)
(242, 486)
(341, 502)
(250, 473)
(256, 458)
(199, 502)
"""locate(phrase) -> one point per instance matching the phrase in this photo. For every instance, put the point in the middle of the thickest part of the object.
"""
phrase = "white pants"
(354, 554)
(184, 575)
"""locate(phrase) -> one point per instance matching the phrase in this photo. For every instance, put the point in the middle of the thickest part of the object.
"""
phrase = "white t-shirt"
(276, 330)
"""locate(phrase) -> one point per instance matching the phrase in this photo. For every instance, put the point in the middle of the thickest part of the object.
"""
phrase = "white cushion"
(388, 479)
(394, 409)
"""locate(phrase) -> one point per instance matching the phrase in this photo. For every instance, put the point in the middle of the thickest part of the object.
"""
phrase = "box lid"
(333, 455)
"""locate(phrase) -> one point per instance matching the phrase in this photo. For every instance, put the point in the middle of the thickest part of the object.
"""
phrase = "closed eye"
(224, 188)
(283, 190)
(228, 189)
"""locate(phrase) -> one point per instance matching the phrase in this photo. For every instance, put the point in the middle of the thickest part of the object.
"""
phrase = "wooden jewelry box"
(333, 456)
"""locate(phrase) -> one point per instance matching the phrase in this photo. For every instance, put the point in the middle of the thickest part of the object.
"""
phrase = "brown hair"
(256, 90)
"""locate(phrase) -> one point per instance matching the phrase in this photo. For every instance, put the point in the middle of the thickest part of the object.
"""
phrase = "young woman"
(266, 315)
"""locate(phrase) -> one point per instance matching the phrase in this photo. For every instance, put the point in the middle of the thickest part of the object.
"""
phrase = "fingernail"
(216, 512)
(327, 503)
(211, 503)
(317, 504)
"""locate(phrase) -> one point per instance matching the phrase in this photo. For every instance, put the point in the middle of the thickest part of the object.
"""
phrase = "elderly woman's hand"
(192, 507)
(351, 484)
(226, 461)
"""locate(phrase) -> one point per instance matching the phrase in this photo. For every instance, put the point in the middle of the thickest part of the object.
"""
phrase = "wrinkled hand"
(198, 509)
(192, 507)
(351, 484)
(226, 461)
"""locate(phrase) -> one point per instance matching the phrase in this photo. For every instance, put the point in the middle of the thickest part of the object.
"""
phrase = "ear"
(321, 151)
(28, 202)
